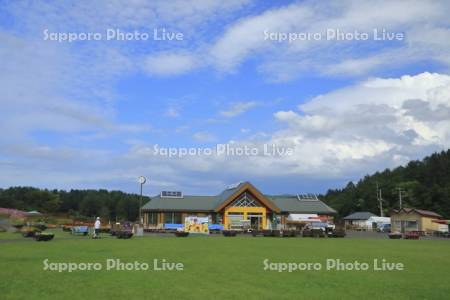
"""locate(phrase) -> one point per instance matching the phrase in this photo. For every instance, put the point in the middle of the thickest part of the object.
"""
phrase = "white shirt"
(97, 224)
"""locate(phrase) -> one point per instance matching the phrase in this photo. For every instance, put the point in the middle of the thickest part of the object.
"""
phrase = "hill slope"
(426, 185)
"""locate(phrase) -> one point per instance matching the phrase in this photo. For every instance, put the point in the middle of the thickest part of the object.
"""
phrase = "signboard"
(443, 228)
(195, 224)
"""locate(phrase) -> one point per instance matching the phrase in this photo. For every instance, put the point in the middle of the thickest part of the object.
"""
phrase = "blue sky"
(88, 113)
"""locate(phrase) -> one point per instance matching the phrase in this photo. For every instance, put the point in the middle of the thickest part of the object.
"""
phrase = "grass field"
(223, 268)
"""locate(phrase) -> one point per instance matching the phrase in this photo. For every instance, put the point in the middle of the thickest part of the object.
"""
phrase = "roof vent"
(171, 194)
(307, 197)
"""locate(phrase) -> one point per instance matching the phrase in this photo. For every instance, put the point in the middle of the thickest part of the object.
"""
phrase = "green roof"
(188, 202)
(286, 203)
(290, 203)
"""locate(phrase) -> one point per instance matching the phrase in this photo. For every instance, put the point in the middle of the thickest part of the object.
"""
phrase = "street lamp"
(141, 181)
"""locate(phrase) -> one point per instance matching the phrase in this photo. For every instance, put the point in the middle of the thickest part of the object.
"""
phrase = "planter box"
(395, 236)
(39, 236)
(255, 232)
(229, 233)
(411, 236)
(338, 234)
(29, 231)
(124, 234)
(29, 234)
(267, 233)
(276, 233)
(181, 234)
(287, 233)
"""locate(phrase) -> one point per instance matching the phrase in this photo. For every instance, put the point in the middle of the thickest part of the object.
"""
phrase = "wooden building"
(237, 205)
(412, 219)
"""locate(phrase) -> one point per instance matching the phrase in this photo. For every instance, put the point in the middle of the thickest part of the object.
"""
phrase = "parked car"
(384, 228)
(325, 227)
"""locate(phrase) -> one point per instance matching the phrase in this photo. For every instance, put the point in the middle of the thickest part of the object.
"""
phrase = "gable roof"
(363, 215)
(277, 203)
(231, 194)
(422, 212)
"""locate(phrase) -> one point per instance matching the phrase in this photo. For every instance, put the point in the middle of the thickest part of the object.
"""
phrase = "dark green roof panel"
(290, 203)
(286, 203)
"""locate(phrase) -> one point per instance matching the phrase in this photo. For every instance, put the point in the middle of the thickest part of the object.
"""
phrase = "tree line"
(424, 184)
(112, 205)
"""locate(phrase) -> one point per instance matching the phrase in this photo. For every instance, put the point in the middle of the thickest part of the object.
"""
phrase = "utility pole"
(380, 200)
(400, 196)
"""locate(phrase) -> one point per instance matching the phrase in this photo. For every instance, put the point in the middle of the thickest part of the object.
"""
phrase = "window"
(411, 225)
(235, 217)
(152, 218)
(219, 219)
(172, 218)
(177, 218)
(213, 218)
(246, 200)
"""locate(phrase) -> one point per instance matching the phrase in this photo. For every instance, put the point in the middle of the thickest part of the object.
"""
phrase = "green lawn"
(224, 268)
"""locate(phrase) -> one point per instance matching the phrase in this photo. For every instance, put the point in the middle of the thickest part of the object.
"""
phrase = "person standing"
(97, 225)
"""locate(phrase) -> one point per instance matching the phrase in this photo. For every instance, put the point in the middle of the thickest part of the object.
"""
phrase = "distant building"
(240, 205)
(412, 219)
(364, 221)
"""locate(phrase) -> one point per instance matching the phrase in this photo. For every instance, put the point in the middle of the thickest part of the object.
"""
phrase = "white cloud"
(365, 126)
(246, 36)
(238, 109)
(346, 133)
(204, 137)
(69, 89)
(172, 112)
(424, 23)
(167, 64)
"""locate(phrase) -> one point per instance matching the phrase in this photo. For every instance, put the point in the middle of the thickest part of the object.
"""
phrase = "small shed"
(359, 220)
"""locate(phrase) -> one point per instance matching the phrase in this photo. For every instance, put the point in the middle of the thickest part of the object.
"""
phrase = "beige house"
(411, 219)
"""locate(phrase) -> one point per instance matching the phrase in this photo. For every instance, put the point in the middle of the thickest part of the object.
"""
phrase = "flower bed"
(29, 231)
(43, 236)
(124, 234)
(411, 236)
(395, 236)
(181, 234)
(338, 233)
(229, 233)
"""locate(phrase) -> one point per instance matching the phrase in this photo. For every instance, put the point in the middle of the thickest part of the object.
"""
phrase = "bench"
(80, 230)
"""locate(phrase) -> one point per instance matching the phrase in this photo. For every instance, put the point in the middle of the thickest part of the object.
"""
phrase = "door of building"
(255, 221)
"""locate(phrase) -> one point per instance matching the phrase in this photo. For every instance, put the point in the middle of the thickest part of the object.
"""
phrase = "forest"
(423, 184)
(112, 205)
